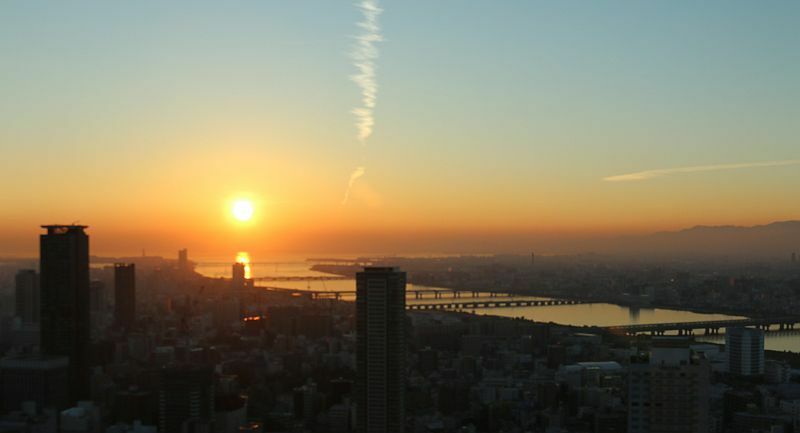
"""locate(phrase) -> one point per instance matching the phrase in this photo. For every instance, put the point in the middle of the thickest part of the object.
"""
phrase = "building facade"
(125, 295)
(745, 349)
(65, 318)
(671, 392)
(381, 350)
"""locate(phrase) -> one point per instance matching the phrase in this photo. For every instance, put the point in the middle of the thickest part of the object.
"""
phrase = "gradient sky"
(145, 119)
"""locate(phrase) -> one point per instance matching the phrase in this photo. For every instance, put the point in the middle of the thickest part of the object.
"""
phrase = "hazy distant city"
(550, 343)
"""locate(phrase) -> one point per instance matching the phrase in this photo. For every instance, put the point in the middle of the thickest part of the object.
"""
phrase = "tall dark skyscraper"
(27, 296)
(65, 326)
(125, 294)
(381, 350)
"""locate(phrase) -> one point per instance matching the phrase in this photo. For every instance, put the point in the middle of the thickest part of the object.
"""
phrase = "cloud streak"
(650, 174)
(358, 172)
(364, 55)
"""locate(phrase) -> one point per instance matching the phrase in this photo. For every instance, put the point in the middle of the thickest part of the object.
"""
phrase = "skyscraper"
(125, 294)
(238, 276)
(183, 260)
(745, 348)
(381, 350)
(64, 267)
(27, 296)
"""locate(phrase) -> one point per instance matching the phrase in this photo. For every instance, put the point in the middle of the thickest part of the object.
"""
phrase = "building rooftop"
(60, 229)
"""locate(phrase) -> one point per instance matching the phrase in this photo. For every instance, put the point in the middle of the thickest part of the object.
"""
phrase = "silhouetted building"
(125, 294)
(185, 396)
(745, 349)
(381, 350)
(183, 260)
(237, 276)
(27, 296)
(671, 392)
(40, 379)
(65, 326)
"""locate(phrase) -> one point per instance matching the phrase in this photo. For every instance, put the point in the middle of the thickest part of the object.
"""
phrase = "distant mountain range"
(775, 240)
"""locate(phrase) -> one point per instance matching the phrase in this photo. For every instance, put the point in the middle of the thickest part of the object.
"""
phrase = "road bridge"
(301, 278)
(708, 327)
(470, 305)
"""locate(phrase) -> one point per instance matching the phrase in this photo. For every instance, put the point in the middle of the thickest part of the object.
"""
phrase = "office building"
(238, 276)
(671, 392)
(185, 397)
(183, 260)
(125, 295)
(65, 319)
(380, 350)
(27, 296)
(33, 378)
(745, 349)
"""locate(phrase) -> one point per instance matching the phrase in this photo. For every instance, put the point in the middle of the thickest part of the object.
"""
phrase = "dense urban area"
(152, 346)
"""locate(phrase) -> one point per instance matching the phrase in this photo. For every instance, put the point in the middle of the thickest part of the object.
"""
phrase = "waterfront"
(599, 314)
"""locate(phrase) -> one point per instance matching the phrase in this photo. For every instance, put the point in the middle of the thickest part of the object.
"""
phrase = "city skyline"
(506, 122)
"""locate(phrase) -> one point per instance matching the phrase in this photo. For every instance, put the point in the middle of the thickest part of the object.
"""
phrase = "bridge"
(494, 304)
(482, 299)
(301, 278)
(415, 293)
(708, 327)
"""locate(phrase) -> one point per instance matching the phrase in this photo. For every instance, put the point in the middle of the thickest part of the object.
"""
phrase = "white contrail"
(364, 55)
(649, 174)
(358, 172)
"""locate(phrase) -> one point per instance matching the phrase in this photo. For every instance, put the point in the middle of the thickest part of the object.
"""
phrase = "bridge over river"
(478, 298)
(709, 327)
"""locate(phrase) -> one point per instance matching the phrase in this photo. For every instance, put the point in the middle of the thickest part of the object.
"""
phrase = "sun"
(242, 210)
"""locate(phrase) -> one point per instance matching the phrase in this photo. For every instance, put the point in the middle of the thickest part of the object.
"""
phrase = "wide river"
(576, 315)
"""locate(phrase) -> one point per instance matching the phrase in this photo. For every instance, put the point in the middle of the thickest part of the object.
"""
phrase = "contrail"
(650, 174)
(358, 172)
(364, 55)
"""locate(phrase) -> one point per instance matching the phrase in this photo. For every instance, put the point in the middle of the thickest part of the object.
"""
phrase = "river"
(600, 314)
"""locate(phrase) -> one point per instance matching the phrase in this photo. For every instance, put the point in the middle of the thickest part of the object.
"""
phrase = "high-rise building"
(671, 392)
(125, 294)
(65, 319)
(27, 296)
(183, 260)
(380, 350)
(745, 349)
(185, 395)
(238, 276)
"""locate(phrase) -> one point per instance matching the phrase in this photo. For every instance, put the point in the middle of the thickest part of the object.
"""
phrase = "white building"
(745, 348)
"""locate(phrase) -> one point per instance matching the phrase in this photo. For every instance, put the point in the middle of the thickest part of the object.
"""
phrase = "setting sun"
(242, 210)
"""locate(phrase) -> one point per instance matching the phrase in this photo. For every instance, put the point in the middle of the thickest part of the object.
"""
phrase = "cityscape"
(399, 217)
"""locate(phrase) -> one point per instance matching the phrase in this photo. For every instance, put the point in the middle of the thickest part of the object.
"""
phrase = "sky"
(503, 120)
